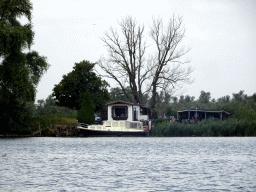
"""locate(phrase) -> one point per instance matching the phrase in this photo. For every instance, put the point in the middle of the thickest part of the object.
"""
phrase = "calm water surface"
(128, 164)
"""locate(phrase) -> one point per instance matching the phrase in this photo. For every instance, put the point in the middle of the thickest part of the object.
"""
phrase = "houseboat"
(123, 119)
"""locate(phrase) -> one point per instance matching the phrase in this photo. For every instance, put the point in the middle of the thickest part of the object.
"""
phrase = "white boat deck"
(116, 126)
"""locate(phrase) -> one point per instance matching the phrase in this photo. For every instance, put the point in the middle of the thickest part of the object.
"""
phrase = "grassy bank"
(231, 127)
(53, 119)
(48, 120)
(45, 124)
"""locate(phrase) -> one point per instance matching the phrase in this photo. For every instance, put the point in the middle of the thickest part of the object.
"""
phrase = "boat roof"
(124, 103)
(120, 103)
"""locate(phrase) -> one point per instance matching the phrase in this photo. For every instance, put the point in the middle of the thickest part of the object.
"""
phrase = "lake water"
(128, 164)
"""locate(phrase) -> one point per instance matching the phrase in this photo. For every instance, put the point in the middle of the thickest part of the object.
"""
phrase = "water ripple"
(128, 164)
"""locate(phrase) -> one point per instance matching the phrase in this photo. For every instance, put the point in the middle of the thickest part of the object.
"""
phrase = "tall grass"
(52, 119)
(209, 127)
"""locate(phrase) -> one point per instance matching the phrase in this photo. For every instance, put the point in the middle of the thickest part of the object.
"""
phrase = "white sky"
(220, 33)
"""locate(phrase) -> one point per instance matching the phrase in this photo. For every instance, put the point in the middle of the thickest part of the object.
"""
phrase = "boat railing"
(124, 124)
(83, 125)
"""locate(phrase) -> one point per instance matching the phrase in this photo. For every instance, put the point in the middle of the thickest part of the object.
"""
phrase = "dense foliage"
(68, 92)
(86, 112)
(240, 106)
(47, 106)
(20, 68)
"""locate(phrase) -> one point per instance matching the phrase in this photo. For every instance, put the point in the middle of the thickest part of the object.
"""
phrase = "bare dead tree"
(128, 63)
(168, 70)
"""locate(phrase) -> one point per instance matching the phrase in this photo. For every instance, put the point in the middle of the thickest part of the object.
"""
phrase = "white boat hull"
(114, 128)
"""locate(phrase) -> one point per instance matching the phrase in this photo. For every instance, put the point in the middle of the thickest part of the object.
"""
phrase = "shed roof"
(205, 110)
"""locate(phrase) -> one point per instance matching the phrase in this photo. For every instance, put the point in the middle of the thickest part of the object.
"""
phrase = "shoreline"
(21, 136)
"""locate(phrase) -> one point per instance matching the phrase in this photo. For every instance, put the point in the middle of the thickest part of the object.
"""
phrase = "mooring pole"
(39, 129)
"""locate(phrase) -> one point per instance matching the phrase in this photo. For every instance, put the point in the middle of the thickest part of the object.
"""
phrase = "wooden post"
(39, 129)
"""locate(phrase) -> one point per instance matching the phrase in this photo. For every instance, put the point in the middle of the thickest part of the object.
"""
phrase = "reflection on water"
(128, 164)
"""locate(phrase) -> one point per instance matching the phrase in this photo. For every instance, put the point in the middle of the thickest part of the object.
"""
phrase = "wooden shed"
(193, 115)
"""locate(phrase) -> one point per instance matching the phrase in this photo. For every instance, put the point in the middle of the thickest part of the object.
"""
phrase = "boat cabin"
(192, 115)
(121, 110)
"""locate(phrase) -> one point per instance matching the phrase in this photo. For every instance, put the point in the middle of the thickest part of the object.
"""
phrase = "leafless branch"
(128, 62)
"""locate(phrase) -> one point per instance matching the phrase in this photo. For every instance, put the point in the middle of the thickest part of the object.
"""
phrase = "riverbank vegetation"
(242, 121)
(52, 119)
(44, 123)
(209, 127)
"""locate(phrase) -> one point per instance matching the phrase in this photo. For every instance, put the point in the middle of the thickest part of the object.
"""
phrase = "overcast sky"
(220, 33)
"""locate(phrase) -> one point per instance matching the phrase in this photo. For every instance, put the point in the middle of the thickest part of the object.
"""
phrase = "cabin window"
(143, 111)
(120, 113)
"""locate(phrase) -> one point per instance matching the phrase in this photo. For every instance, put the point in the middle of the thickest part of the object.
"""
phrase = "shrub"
(160, 120)
(86, 112)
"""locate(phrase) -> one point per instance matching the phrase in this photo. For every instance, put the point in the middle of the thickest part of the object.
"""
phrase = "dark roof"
(120, 103)
(125, 103)
(204, 110)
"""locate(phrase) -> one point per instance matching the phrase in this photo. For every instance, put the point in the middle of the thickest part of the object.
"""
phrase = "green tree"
(239, 96)
(163, 100)
(169, 111)
(224, 99)
(175, 100)
(155, 113)
(118, 94)
(48, 106)
(86, 112)
(181, 100)
(205, 97)
(20, 68)
(82, 78)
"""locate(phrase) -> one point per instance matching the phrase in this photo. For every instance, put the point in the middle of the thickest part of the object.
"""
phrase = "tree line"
(47, 106)
(240, 105)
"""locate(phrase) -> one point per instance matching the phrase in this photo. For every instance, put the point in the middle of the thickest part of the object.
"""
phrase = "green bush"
(160, 120)
(155, 114)
(86, 112)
